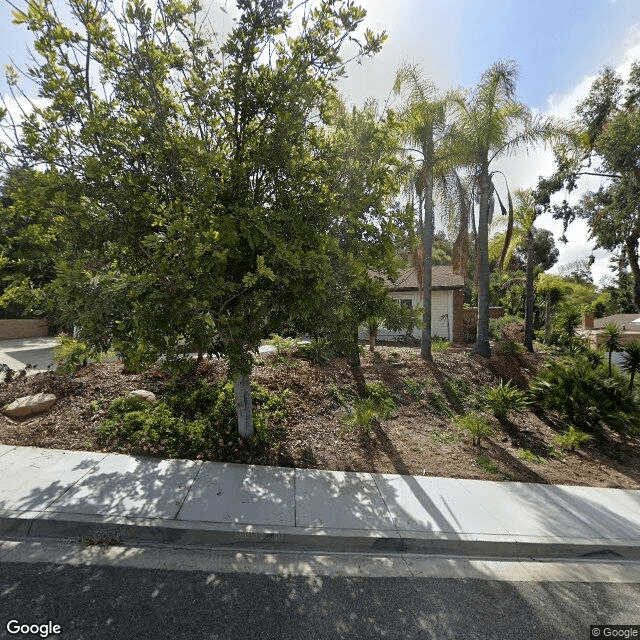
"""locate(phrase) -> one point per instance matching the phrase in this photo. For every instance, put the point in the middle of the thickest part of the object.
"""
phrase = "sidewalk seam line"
(186, 495)
(386, 506)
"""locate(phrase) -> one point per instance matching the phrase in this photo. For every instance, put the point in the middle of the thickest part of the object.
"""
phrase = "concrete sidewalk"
(137, 500)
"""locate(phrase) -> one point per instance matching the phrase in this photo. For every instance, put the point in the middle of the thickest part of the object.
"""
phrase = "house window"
(407, 302)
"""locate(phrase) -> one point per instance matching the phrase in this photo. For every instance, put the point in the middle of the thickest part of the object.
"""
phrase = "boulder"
(29, 405)
(144, 394)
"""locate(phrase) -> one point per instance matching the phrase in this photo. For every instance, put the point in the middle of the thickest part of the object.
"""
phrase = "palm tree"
(492, 124)
(612, 339)
(524, 217)
(552, 290)
(631, 360)
(424, 121)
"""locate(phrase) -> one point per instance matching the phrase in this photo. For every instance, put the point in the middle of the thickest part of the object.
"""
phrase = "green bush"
(439, 345)
(344, 395)
(502, 399)
(382, 398)
(362, 416)
(511, 348)
(529, 456)
(496, 325)
(572, 439)
(70, 354)
(319, 351)
(586, 396)
(414, 388)
(476, 424)
(439, 437)
(284, 346)
(457, 391)
(377, 404)
(194, 420)
(439, 403)
(488, 465)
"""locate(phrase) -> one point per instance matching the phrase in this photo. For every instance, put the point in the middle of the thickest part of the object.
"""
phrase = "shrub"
(378, 404)
(529, 456)
(194, 420)
(457, 391)
(362, 416)
(319, 351)
(284, 346)
(572, 439)
(488, 465)
(439, 345)
(439, 437)
(414, 388)
(70, 354)
(382, 398)
(496, 325)
(511, 348)
(439, 403)
(502, 399)
(343, 395)
(586, 396)
(476, 424)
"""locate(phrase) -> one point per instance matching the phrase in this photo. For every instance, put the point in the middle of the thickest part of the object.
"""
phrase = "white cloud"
(523, 171)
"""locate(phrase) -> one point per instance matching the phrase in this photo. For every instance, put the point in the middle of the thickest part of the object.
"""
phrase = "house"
(446, 303)
(627, 323)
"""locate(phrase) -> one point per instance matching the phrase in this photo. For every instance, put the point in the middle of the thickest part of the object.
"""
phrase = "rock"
(29, 405)
(144, 394)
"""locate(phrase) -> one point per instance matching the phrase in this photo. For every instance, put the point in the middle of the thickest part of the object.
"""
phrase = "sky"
(559, 45)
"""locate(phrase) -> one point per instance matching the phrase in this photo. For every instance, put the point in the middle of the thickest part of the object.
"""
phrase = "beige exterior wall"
(19, 328)
(441, 305)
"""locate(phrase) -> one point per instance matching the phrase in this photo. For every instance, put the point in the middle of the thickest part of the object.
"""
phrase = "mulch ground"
(417, 440)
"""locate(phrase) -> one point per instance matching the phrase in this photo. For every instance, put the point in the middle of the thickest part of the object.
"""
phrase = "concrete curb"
(74, 528)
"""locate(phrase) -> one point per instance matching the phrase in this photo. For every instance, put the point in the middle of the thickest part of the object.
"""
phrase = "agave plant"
(612, 340)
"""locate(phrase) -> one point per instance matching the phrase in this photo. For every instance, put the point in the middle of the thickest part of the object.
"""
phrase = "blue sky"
(555, 43)
(559, 45)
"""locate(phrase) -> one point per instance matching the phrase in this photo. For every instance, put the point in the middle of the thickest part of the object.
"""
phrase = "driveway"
(38, 352)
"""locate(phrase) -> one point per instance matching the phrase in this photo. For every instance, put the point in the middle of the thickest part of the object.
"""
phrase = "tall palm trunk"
(482, 345)
(427, 240)
(528, 300)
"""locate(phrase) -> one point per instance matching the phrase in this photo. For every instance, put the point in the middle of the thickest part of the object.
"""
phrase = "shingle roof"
(619, 319)
(442, 277)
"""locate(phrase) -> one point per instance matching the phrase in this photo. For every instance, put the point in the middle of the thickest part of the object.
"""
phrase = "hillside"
(418, 439)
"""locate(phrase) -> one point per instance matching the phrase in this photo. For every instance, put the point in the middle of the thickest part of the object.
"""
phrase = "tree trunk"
(528, 300)
(547, 321)
(482, 346)
(427, 240)
(461, 245)
(631, 246)
(372, 340)
(244, 410)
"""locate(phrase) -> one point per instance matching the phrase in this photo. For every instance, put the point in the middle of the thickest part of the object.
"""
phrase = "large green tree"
(190, 174)
(491, 124)
(606, 144)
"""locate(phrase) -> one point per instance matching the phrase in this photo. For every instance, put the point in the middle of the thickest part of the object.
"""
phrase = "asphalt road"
(96, 602)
